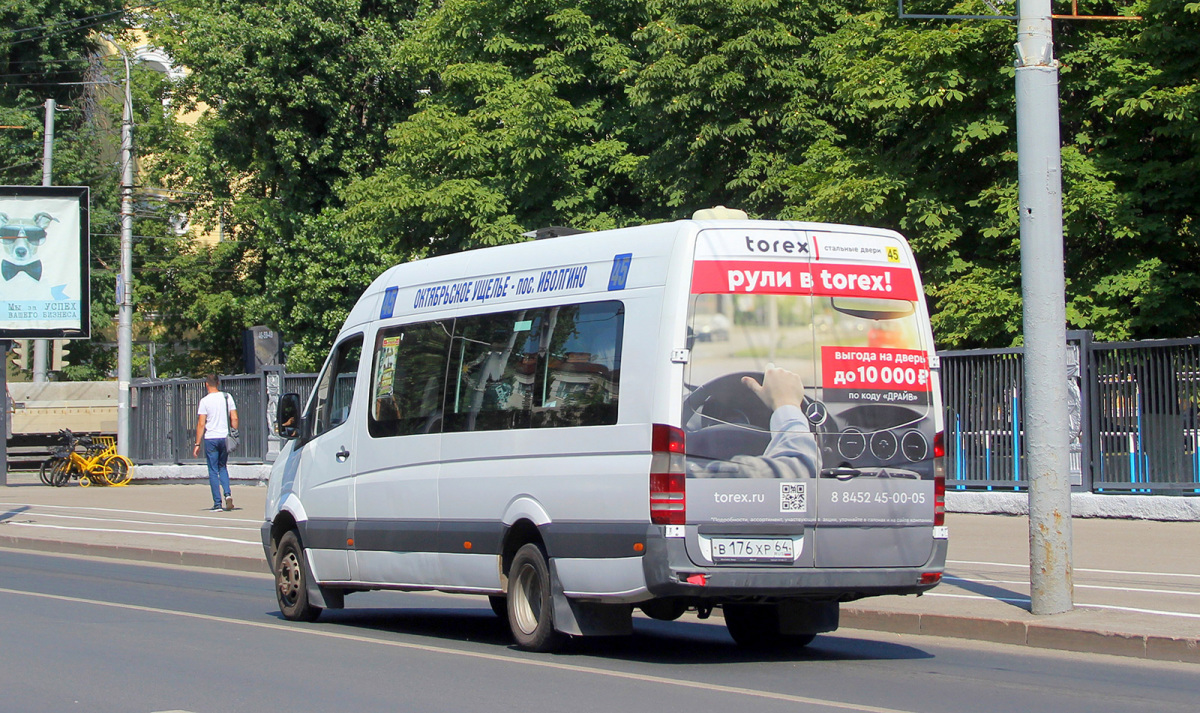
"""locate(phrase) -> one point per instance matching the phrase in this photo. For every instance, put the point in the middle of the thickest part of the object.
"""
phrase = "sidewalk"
(1136, 582)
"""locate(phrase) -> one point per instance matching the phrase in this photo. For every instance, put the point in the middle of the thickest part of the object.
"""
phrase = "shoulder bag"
(234, 437)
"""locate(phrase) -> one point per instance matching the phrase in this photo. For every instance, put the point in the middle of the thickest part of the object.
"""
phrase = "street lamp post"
(41, 346)
(125, 279)
(1043, 296)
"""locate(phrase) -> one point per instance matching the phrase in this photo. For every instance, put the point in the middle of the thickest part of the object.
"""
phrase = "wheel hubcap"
(288, 578)
(528, 599)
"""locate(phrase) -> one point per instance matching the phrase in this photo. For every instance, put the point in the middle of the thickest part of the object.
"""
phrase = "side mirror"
(287, 416)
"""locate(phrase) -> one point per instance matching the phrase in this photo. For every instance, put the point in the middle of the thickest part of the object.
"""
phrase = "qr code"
(792, 497)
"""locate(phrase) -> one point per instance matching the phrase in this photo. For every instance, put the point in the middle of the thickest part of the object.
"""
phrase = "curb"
(256, 565)
(998, 631)
(1031, 634)
(1163, 508)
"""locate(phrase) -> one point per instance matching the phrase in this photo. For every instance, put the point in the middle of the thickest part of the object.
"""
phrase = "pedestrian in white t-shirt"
(217, 414)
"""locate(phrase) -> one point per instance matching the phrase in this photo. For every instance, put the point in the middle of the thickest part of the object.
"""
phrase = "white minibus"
(716, 413)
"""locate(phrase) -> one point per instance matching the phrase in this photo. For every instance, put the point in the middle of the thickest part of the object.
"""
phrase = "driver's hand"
(779, 387)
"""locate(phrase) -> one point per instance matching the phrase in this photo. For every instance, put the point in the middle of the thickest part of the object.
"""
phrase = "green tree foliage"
(51, 50)
(1133, 91)
(297, 97)
(836, 111)
(523, 123)
(341, 136)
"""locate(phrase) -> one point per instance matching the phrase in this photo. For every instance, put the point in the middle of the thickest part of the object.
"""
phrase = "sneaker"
(216, 508)
(228, 502)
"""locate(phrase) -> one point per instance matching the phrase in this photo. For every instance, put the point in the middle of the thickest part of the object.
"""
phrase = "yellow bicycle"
(99, 464)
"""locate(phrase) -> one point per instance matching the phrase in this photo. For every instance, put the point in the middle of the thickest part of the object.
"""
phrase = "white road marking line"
(1007, 600)
(1178, 592)
(126, 512)
(1144, 574)
(1078, 605)
(1139, 611)
(131, 522)
(535, 663)
(134, 532)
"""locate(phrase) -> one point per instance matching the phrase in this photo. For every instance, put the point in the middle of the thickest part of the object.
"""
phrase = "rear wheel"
(756, 626)
(116, 470)
(531, 603)
(46, 473)
(291, 580)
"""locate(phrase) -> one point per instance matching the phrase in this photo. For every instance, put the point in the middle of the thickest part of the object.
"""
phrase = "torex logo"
(789, 247)
(846, 281)
(739, 498)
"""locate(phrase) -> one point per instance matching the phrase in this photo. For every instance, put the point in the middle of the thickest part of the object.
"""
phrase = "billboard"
(44, 276)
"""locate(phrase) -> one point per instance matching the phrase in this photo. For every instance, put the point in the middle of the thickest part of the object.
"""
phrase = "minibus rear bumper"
(670, 573)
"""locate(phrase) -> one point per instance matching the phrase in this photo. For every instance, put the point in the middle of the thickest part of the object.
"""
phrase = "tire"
(499, 605)
(291, 580)
(46, 473)
(756, 626)
(117, 470)
(61, 473)
(531, 602)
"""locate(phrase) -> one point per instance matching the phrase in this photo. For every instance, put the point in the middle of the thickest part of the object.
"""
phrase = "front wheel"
(116, 470)
(531, 602)
(291, 580)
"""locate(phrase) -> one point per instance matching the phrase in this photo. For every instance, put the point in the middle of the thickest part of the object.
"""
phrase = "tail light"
(939, 479)
(668, 501)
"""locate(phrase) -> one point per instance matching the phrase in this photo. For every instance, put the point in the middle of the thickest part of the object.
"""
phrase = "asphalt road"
(102, 635)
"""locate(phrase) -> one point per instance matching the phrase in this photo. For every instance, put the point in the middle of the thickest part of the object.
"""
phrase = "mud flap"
(801, 617)
(321, 596)
(578, 618)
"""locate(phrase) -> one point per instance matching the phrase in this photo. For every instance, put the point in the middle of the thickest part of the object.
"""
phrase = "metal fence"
(981, 392)
(1132, 409)
(162, 419)
(1145, 421)
(1132, 406)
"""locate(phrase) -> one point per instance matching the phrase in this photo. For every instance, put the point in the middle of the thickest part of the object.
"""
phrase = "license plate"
(752, 549)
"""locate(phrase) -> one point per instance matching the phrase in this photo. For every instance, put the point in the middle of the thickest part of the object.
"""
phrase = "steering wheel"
(726, 400)
(733, 419)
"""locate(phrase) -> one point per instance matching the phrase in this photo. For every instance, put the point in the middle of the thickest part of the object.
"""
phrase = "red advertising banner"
(730, 277)
(869, 369)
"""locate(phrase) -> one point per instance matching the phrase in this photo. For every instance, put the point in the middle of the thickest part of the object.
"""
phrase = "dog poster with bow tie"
(44, 288)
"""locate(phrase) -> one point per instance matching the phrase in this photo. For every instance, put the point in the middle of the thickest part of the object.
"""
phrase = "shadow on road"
(10, 514)
(991, 591)
(653, 642)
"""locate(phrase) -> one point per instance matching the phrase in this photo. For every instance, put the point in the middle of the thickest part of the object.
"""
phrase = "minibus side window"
(408, 373)
(335, 391)
(582, 366)
(493, 365)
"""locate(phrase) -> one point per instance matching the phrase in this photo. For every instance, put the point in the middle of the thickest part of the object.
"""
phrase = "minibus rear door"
(872, 342)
